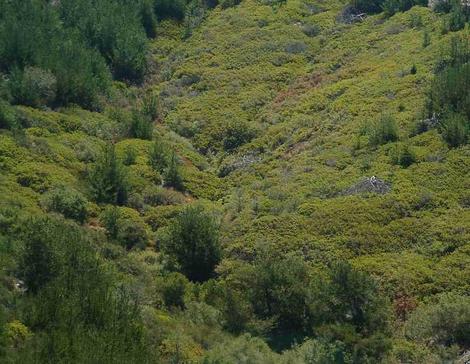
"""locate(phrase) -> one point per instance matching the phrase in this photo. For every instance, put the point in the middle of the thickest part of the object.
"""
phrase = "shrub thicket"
(193, 243)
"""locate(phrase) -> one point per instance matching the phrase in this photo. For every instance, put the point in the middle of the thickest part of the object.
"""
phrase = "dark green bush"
(407, 157)
(126, 230)
(449, 98)
(383, 131)
(443, 322)
(107, 178)
(457, 17)
(32, 35)
(8, 119)
(170, 9)
(74, 304)
(66, 201)
(389, 7)
(455, 129)
(158, 156)
(33, 86)
(173, 288)
(172, 176)
(237, 133)
(141, 126)
(193, 243)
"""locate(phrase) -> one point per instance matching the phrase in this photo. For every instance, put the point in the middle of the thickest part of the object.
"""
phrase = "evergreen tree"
(158, 156)
(193, 243)
(107, 178)
(172, 176)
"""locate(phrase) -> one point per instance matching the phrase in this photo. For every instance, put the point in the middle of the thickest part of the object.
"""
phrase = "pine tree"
(158, 156)
(107, 178)
(172, 175)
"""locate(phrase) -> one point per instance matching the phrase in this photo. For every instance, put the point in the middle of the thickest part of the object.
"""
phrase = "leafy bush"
(34, 86)
(170, 9)
(455, 129)
(173, 288)
(444, 322)
(390, 7)
(125, 228)
(8, 119)
(193, 243)
(383, 131)
(457, 16)
(237, 133)
(32, 35)
(66, 201)
(448, 97)
(407, 157)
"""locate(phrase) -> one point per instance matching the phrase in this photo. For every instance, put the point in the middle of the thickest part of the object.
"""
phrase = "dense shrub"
(457, 18)
(8, 117)
(66, 201)
(390, 7)
(32, 35)
(172, 176)
(141, 126)
(125, 228)
(383, 131)
(449, 96)
(237, 133)
(107, 178)
(455, 129)
(445, 322)
(73, 302)
(173, 288)
(158, 156)
(170, 9)
(193, 243)
(33, 86)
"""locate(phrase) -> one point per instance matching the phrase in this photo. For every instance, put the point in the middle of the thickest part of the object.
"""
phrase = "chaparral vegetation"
(234, 181)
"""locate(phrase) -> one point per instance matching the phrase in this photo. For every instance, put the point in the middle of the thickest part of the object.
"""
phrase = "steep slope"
(310, 98)
(294, 138)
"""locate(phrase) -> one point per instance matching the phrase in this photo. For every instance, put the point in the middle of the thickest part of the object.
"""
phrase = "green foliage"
(55, 61)
(279, 289)
(69, 327)
(389, 7)
(406, 156)
(457, 17)
(444, 322)
(455, 129)
(66, 201)
(158, 158)
(237, 134)
(193, 243)
(426, 39)
(107, 178)
(170, 9)
(173, 288)
(141, 126)
(449, 97)
(33, 86)
(8, 119)
(125, 228)
(172, 176)
(383, 131)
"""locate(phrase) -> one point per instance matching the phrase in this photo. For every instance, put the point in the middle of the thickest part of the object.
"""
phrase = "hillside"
(253, 182)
